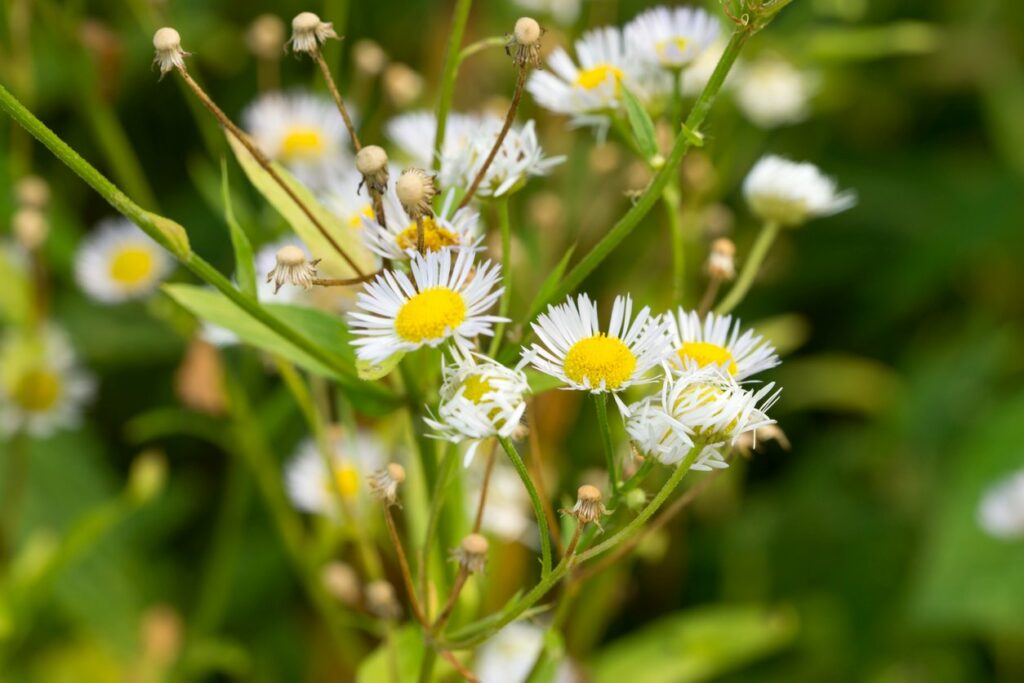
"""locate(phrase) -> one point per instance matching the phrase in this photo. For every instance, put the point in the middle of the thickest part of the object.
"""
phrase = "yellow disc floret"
(302, 143)
(595, 76)
(132, 265)
(37, 391)
(600, 359)
(355, 221)
(435, 237)
(346, 481)
(431, 314)
(476, 387)
(665, 49)
(706, 353)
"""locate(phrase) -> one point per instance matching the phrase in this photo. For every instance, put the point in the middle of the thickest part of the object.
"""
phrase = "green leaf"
(640, 122)
(333, 264)
(15, 294)
(540, 382)
(373, 371)
(398, 660)
(245, 266)
(696, 645)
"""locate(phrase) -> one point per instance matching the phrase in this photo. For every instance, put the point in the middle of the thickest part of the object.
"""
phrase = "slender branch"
(459, 667)
(451, 68)
(480, 45)
(537, 470)
(538, 509)
(751, 266)
(318, 57)
(509, 118)
(453, 597)
(437, 498)
(479, 519)
(344, 282)
(601, 406)
(710, 294)
(501, 207)
(420, 236)
(403, 564)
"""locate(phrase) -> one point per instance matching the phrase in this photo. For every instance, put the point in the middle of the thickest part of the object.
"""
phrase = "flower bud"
(32, 192)
(309, 33)
(523, 45)
(370, 59)
(381, 600)
(384, 482)
(341, 581)
(403, 85)
(293, 268)
(472, 553)
(721, 259)
(416, 189)
(588, 507)
(265, 36)
(30, 228)
(372, 163)
(169, 54)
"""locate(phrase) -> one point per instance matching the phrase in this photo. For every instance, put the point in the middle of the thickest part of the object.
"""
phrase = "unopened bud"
(265, 36)
(416, 189)
(32, 192)
(309, 33)
(372, 163)
(381, 600)
(370, 59)
(523, 45)
(721, 259)
(384, 482)
(403, 85)
(472, 553)
(147, 476)
(342, 582)
(30, 228)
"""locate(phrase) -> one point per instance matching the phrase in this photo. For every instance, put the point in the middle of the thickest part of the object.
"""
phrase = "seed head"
(341, 581)
(588, 507)
(372, 163)
(416, 189)
(293, 268)
(384, 482)
(266, 36)
(30, 228)
(32, 192)
(403, 85)
(721, 260)
(369, 57)
(309, 33)
(472, 553)
(169, 54)
(381, 600)
(523, 44)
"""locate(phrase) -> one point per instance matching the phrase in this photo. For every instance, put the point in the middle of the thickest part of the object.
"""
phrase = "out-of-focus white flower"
(480, 398)
(671, 38)
(695, 76)
(507, 511)
(354, 459)
(398, 239)
(448, 296)
(1001, 510)
(343, 197)
(716, 341)
(573, 348)
(118, 262)
(790, 193)
(42, 386)
(509, 656)
(705, 406)
(772, 92)
(564, 12)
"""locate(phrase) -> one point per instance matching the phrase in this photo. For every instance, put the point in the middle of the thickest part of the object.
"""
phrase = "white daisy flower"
(448, 229)
(447, 296)
(302, 131)
(790, 193)
(1001, 510)
(510, 654)
(354, 459)
(716, 341)
(671, 38)
(695, 77)
(508, 514)
(591, 91)
(415, 133)
(480, 398)
(564, 12)
(704, 405)
(118, 262)
(575, 350)
(42, 387)
(771, 92)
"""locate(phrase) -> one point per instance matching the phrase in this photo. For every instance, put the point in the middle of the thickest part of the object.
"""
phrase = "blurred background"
(901, 324)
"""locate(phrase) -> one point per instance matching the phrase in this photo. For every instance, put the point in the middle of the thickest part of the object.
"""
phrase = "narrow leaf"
(640, 122)
(245, 267)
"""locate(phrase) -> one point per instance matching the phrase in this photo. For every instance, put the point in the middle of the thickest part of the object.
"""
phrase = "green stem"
(427, 665)
(751, 266)
(601, 405)
(501, 206)
(15, 478)
(538, 509)
(670, 198)
(480, 45)
(437, 498)
(451, 68)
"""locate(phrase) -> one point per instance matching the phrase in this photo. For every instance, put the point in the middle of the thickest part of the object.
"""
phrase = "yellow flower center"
(434, 236)
(355, 221)
(302, 143)
(671, 49)
(431, 314)
(705, 353)
(346, 480)
(595, 76)
(700, 395)
(37, 390)
(600, 358)
(476, 387)
(132, 265)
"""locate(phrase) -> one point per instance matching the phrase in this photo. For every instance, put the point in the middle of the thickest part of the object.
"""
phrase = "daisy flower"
(509, 656)
(705, 406)
(414, 134)
(480, 398)
(564, 12)
(590, 91)
(771, 92)
(118, 262)
(449, 228)
(716, 341)
(790, 193)
(299, 130)
(575, 350)
(671, 38)
(354, 459)
(447, 296)
(1001, 510)
(42, 387)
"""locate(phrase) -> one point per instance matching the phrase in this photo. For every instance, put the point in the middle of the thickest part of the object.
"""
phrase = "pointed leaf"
(640, 122)
(245, 267)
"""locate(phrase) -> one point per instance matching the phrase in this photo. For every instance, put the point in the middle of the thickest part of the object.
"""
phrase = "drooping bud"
(169, 54)
(372, 163)
(384, 482)
(293, 268)
(721, 263)
(523, 44)
(472, 553)
(309, 33)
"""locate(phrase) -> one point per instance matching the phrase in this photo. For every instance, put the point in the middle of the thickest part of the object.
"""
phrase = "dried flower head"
(588, 507)
(369, 57)
(472, 553)
(341, 581)
(309, 33)
(523, 44)
(381, 600)
(169, 54)
(293, 268)
(721, 260)
(384, 482)
(372, 163)
(30, 228)
(265, 36)
(416, 190)
(402, 85)
(32, 192)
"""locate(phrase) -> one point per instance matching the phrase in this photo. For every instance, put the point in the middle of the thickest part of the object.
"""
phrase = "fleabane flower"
(790, 193)
(705, 407)
(671, 38)
(590, 91)
(445, 296)
(300, 130)
(480, 398)
(397, 240)
(718, 341)
(573, 348)
(42, 386)
(1001, 510)
(118, 262)
(771, 92)
(315, 489)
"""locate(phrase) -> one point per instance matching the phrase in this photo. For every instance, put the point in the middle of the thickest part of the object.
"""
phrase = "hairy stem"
(601, 406)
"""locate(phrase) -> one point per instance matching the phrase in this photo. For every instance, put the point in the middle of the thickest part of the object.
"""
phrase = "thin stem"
(501, 207)
(318, 57)
(403, 564)
(710, 294)
(480, 45)
(345, 282)
(265, 163)
(437, 498)
(451, 68)
(459, 667)
(601, 405)
(15, 477)
(538, 509)
(479, 518)
(537, 471)
(509, 118)
(427, 665)
(570, 550)
(453, 597)
(420, 236)
(751, 266)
